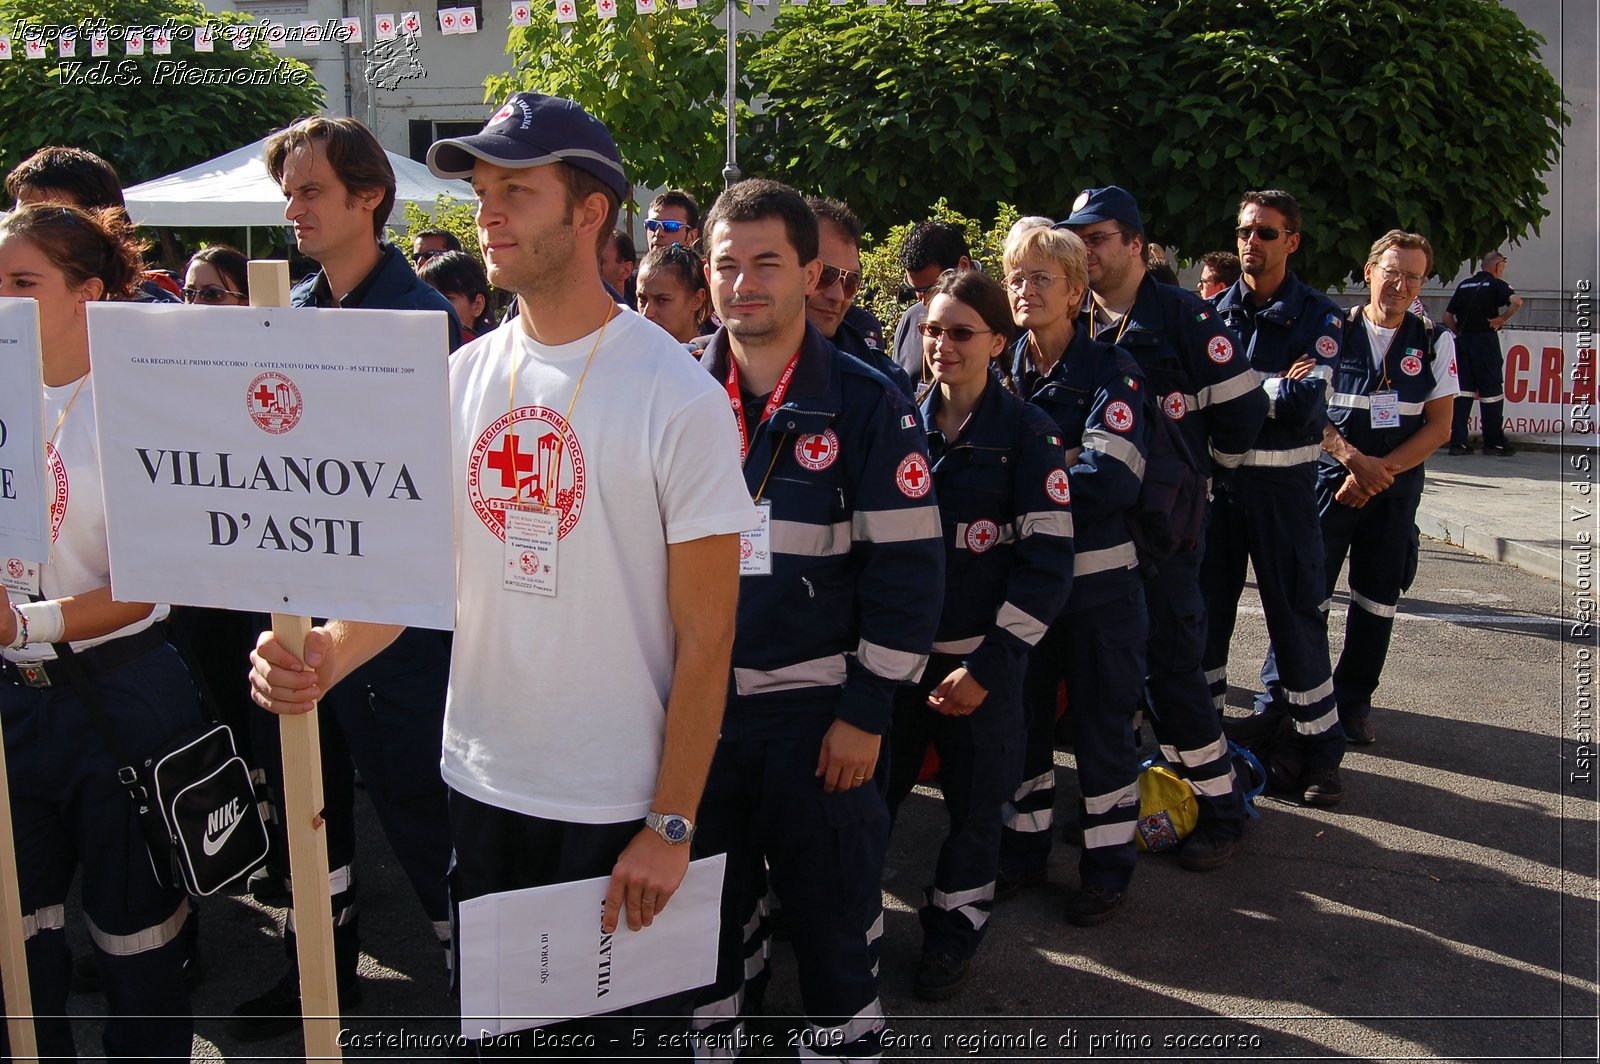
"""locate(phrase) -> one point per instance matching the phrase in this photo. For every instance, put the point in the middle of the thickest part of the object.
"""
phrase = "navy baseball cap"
(534, 130)
(1109, 204)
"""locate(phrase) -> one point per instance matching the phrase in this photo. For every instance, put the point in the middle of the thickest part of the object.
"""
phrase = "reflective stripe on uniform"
(1119, 447)
(1118, 834)
(1008, 534)
(812, 541)
(1222, 391)
(1100, 804)
(49, 918)
(1225, 459)
(1038, 783)
(818, 672)
(1045, 523)
(1089, 562)
(855, 1028)
(1311, 697)
(1282, 459)
(899, 665)
(1377, 609)
(1322, 724)
(1217, 675)
(140, 941)
(1029, 822)
(1346, 401)
(1021, 624)
(1202, 755)
(964, 902)
(897, 526)
(1214, 787)
(961, 647)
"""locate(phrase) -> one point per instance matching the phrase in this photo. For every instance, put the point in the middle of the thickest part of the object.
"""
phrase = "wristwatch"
(676, 829)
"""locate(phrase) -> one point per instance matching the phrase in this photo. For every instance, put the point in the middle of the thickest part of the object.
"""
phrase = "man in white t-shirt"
(599, 501)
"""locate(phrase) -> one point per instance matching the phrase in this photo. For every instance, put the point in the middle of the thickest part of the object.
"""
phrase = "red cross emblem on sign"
(913, 477)
(161, 40)
(5, 48)
(384, 26)
(135, 41)
(449, 20)
(522, 12)
(411, 25)
(566, 9)
(466, 19)
(605, 5)
(266, 397)
(814, 452)
(510, 461)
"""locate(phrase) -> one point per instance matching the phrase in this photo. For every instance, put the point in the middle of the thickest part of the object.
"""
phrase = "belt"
(101, 658)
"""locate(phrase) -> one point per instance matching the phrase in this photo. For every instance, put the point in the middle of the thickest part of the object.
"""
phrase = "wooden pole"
(14, 957)
(302, 798)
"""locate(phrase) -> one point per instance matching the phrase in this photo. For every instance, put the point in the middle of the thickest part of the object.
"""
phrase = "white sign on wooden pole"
(282, 460)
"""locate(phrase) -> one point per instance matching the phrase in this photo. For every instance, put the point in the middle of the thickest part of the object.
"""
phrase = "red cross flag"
(411, 23)
(205, 40)
(566, 11)
(99, 45)
(606, 8)
(135, 42)
(33, 48)
(447, 21)
(68, 43)
(644, 7)
(469, 20)
(161, 45)
(521, 15)
(383, 27)
(5, 46)
(352, 30)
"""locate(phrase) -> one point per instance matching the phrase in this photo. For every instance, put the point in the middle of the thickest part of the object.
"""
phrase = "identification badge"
(1385, 410)
(532, 535)
(20, 577)
(755, 546)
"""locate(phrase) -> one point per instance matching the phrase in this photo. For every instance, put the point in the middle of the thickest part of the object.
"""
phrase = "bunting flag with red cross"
(449, 21)
(67, 43)
(566, 11)
(644, 7)
(5, 47)
(205, 39)
(33, 48)
(384, 27)
(466, 20)
(521, 14)
(411, 24)
(606, 8)
(352, 30)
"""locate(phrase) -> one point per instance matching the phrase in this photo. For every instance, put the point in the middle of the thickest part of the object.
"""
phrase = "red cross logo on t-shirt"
(510, 461)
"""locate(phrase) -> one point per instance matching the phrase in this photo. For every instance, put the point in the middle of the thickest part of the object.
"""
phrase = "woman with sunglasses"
(217, 276)
(1094, 393)
(68, 808)
(1000, 478)
(673, 292)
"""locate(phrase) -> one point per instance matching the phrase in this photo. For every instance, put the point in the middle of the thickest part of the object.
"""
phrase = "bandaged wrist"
(44, 621)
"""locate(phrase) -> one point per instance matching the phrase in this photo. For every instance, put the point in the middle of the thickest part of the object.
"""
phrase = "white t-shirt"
(556, 706)
(1446, 382)
(80, 560)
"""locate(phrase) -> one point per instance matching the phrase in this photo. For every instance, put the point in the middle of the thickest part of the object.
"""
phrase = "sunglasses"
(1264, 233)
(655, 224)
(959, 333)
(212, 294)
(851, 279)
(428, 253)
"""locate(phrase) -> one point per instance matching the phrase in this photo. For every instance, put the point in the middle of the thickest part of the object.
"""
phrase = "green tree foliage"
(883, 277)
(1434, 115)
(143, 128)
(657, 81)
(453, 216)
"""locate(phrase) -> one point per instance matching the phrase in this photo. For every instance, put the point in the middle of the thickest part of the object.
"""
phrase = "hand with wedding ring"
(847, 758)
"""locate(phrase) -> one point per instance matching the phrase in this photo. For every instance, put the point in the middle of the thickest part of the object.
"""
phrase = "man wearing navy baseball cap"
(600, 501)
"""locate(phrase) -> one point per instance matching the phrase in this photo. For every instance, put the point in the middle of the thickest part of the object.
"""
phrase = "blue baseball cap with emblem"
(1109, 204)
(532, 129)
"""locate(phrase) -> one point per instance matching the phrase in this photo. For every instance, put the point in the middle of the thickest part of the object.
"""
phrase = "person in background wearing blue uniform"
(1093, 391)
(386, 720)
(1199, 380)
(1476, 316)
(68, 810)
(843, 578)
(1008, 568)
(930, 248)
(1391, 407)
(1267, 514)
(829, 306)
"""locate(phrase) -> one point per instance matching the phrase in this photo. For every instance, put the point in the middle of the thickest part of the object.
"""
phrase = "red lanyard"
(737, 402)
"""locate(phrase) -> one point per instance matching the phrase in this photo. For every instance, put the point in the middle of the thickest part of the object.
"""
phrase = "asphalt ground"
(1445, 911)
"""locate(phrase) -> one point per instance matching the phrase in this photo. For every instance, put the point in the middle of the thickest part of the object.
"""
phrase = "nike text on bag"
(205, 813)
(1171, 509)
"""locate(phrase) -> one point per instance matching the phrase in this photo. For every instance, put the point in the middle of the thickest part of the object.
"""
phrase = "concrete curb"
(1437, 523)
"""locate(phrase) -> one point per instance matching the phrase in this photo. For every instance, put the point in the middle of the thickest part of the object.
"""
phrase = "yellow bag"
(1167, 809)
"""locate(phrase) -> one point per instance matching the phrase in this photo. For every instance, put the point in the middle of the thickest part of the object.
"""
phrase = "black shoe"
(939, 976)
(1459, 449)
(1202, 851)
(277, 1012)
(1322, 787)
(1008, 884)
(1357, 731)
(267, 888)
(1092, 906)
(1504, 450)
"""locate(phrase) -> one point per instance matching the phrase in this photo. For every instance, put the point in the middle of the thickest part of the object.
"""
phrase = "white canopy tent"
(236, 190)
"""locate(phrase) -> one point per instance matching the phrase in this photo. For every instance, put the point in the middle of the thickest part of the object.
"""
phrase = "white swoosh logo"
(211, 846)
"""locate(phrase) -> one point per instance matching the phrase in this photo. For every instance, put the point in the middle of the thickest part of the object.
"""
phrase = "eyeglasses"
(959, 333)
(851, 279)
(1040, 280)
(212, 294)
(1092, 241)
(1264, 233)
(427, 253)
(1412, 280)
(654, 224)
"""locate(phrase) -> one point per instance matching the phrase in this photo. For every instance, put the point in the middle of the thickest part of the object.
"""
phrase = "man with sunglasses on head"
(829, 304)
(931, 248)
(1267, 514)
(672, 218)
(1202, 382)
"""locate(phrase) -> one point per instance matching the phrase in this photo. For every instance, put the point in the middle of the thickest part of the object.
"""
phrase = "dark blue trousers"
(980, 761)
(68, 811)
(1481, 367)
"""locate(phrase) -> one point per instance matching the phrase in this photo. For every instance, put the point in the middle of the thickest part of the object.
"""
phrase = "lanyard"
(67, 410)
(736, 401)
(1383, 363)
(511, 412)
